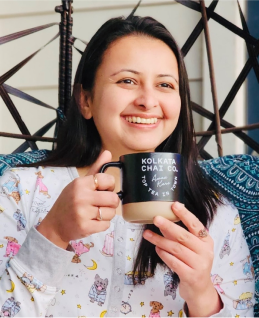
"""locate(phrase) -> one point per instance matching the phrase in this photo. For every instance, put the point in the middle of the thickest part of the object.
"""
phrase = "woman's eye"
(166, 85)
(127, 81)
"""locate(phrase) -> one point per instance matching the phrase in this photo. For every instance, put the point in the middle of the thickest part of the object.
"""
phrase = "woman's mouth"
(139, 120)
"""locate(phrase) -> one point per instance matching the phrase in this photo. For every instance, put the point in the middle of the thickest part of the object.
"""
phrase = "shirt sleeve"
(31, 267)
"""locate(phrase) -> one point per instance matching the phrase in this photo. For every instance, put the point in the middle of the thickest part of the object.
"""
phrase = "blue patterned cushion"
(12, 160)
(237, 177)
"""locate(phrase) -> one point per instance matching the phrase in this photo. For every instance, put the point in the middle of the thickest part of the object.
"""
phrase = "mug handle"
(116, 164)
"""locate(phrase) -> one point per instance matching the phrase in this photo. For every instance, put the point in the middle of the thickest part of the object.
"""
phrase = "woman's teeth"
(138, 120)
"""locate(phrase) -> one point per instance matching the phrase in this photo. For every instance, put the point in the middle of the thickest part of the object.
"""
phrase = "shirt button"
(120, 239)
(120, 253)
(117, 288)
(119, 271)
(114, 309)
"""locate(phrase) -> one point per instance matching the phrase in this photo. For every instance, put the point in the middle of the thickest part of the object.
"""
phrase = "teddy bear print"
(42, 188)
(98, 290)
(12, 188)
(32, 283)
(156, 307)
(10, 308)
(170, 285)
(21, 221)
(225, 250)
(12, 247)
(80, 248)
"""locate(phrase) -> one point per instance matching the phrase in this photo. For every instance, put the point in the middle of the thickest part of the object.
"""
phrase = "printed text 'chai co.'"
(158, 164)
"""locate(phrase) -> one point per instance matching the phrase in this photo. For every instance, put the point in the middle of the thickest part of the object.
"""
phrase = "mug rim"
(142, 153)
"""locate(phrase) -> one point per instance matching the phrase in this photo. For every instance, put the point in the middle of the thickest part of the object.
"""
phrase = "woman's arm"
(28, 262)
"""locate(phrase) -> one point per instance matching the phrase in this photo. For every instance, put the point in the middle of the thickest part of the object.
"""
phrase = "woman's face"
(135, 103)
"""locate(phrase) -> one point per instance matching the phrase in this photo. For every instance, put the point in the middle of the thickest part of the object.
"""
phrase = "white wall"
(40, 76)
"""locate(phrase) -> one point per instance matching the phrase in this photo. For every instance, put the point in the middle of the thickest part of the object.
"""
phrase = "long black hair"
(79, 143)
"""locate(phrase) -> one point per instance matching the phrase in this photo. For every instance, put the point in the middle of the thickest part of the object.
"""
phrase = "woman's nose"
(146, 99)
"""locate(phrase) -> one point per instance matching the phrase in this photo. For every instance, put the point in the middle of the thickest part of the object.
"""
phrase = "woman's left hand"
(190, 255)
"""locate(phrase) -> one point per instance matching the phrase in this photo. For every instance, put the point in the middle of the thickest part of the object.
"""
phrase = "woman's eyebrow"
(126, 70)
(167, 75)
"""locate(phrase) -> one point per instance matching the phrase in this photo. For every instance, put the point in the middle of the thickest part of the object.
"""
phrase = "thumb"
(104, 157)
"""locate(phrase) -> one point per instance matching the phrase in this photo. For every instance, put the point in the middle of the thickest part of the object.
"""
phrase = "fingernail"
(147, 234)
(177, 206)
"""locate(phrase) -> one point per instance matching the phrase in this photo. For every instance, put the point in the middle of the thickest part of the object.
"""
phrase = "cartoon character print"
(21, 221)
(107, 249)
(156, 307)
(217, 280)
(225, 250)
(248, 268)
(12, 188)
(42, 188)
(98, 290)
(10, 308)
(126, 306)
(12, 247)
(129, 280)
(170, 285)
(244, 301)
(32, 283)
(80, 248)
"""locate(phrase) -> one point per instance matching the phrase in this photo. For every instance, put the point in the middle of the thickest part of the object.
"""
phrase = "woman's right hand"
(74, 214)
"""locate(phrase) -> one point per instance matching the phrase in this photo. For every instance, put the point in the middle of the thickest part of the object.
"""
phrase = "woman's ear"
(82, 99)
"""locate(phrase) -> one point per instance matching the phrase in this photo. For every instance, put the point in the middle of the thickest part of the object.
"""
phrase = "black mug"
(151, 181)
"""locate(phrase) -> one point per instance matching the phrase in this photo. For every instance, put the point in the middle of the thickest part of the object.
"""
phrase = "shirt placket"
(118, 268)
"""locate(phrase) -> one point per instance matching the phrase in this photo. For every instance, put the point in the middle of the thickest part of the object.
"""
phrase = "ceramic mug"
(150, 182)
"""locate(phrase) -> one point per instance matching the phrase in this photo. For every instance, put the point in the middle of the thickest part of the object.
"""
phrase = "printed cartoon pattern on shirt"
(12, 188)
(129, 280)
(12, 247)
(42, 188)
(170, 285)
(244, 301)
(217, 280)
(126, 306)
(248, 268)
(21, 221)
(107, 249)
(98, 290)
(80, 294)
(32, 283)
(80, 248)
(156, 307)
(10, 308)
(225, 250)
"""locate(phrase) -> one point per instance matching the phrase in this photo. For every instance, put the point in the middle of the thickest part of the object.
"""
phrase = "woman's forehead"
(140, 52)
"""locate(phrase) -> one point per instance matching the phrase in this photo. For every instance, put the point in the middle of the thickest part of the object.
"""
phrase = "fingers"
(176, 249)
(190, 220)
(104, 157)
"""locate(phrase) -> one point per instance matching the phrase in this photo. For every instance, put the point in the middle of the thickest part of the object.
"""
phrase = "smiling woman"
(131, 95)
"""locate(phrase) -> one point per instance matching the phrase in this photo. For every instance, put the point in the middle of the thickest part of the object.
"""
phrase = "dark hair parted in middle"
(79, 143)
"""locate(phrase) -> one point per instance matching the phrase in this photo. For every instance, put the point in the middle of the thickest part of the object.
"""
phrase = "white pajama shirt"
(94, 279)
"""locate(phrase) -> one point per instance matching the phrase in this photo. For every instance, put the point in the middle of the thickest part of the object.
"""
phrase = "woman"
(130, 95)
